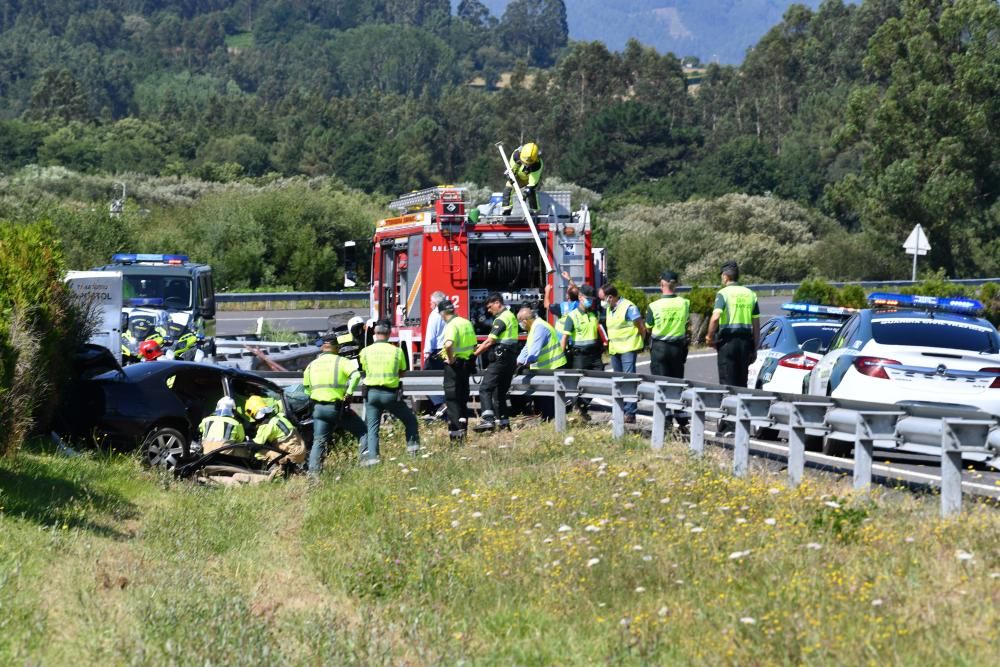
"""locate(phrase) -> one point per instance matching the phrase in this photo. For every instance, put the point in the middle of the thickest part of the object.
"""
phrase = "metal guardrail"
(954, 430)
(234, 297)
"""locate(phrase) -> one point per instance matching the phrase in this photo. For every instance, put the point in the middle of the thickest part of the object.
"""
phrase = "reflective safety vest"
(329, 377)
(551, 356)
(510, 332)
(584, 329)
(737, 306)
(275, 431)
(462, 336)
(382, 362)
(567, 308)
(218, 431)
(526, 175)
(670, 318)
(623, 335)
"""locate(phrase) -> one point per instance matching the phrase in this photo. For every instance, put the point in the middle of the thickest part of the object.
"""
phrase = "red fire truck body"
(435, 245)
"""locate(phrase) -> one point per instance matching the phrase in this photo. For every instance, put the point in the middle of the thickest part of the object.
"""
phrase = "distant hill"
(719, 30)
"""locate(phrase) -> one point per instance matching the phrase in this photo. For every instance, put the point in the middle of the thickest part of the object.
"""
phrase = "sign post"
(916, 244)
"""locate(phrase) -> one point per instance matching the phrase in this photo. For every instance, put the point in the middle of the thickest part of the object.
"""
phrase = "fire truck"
(440, 241)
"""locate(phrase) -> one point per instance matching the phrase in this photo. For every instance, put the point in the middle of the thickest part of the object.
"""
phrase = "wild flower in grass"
(814, 545)
(774, 491)
(832, 503)
(647, 558)
(877, 602)
(909, 539)
(454, 524)
(593, 561)
(476, 515)
(636, 547)
(961, 554)
(740, 519)
(592, 528)
(569, 440)
(748, 620)
(662, 612)
(664, 501)
(564, 529)
(623, 474)
(994, 575)
(736, 555)
(640, 589)
(455, 492)
(697, 529)
(770, 522)
(597, 459)
(547, 540)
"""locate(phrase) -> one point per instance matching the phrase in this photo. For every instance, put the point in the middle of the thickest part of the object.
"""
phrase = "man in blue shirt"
(433, 342)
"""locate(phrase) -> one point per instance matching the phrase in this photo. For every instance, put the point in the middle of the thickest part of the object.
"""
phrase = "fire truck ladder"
(524, 208)
(419, 199)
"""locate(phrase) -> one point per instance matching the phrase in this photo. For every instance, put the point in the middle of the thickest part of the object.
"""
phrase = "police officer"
(382, 365)
(330, 380)
(581, 335)
(459, 344)
(501, 344)
(668, 318)
(736, 318)
(221, 429)
(626, 331)
(526, 164)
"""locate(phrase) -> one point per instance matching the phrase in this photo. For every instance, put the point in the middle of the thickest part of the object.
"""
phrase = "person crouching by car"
(275, 430)
(221, 429)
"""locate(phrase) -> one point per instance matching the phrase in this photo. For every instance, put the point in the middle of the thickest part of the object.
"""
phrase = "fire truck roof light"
(145, 257)
(816, 309)
(946, 304)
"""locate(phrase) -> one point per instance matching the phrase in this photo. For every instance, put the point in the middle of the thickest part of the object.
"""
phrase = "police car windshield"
(941, 333)
(175, 291)
(823, 331)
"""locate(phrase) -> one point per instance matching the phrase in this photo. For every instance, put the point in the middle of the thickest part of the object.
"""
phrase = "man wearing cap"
(734, 329)
(382, 366)
(501, 344)
(330, 380)
(581, 336)
(668, 320)
(459, 344)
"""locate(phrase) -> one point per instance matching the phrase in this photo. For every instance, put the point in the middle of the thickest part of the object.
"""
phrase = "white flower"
(637, 494)
(569, 440)
(597, 459)
(831, 503)
(770, 521)
(636, 547)
(547, 540)
(476, 515)
(963, 555)
(697, 529)
(549, 503)
(909, 539)
(514, 497)
(877, 602)
(748, 620)
(454, 524)
(724, 508)
(647, 558)
(774, 491)
(736, 555)
(664, 501)
(640, 589)
(663, 612)
(740, 519)
(564, 529)
(623, 474)
(593, 561)
(592, 529)
(814, 545)
(994, 575)
(455, 492)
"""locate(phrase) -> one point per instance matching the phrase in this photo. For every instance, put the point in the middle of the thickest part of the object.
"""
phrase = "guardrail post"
(666, 393)
(956, 435)
(748, 409)
(701, 400)
(803, 415)
(869, 427)
(622, 390)
(565, 384)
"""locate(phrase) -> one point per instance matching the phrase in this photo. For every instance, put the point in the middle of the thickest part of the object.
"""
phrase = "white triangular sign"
(917, 243)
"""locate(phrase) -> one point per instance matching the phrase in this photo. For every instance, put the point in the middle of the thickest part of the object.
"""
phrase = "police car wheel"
(163, 447)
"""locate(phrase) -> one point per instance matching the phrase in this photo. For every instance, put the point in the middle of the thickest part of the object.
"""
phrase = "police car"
(790, 345)
(916, 350)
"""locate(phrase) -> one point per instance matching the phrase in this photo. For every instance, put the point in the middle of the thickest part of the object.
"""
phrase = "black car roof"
(150, 368)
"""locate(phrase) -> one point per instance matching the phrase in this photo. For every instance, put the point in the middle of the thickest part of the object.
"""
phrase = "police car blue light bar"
(946, 304)
(140, 302)
(816, 309)
(137, 257)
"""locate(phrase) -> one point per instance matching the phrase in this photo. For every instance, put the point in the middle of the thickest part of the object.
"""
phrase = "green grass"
(516, 549)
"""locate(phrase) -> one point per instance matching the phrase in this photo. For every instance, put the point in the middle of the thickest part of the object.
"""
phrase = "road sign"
(916, 244)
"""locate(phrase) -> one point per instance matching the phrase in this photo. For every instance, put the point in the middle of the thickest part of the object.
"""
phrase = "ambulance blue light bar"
(946, 304)
(139, 257)
(815, 309)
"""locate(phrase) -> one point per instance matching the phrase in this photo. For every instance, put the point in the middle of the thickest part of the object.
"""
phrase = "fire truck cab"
(441, 242)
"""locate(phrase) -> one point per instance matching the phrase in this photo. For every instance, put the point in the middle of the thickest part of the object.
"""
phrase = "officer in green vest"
(330, 380)
(382, 366)
(734, 329)
(668, 320)
(459, 344)
(501, 345)
(626, 332)
(221, 429)
(581, 334)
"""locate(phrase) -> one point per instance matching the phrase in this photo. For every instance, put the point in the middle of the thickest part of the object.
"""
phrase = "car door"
(822, 374)
(769, 335)
(199, 389)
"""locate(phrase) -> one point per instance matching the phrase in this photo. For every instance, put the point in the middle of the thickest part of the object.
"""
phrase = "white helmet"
(226, 407)
(353, 322)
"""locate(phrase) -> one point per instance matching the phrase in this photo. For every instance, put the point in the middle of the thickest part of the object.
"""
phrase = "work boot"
(584, 415)
(369, 462)
(486, 423)
(456, 437)
(504, 423)
(629, 419)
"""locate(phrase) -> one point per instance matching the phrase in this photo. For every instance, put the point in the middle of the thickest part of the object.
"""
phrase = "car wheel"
(163, 447)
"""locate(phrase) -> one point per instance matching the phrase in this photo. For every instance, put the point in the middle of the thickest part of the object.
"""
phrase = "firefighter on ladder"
(526, 164)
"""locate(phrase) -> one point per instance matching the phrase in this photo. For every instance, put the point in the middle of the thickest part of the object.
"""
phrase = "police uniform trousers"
(496, 381)
(377, 401)
(734, 359)
(456, 393)
(327, 419)
(667, 358)
(590, 358)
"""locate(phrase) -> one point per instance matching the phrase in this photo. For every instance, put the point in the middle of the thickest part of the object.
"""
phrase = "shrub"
(816, 291)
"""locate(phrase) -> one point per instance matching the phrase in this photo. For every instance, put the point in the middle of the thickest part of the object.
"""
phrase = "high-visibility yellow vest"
(329, 376)
(218, 431)
(551, 356)
(382, 362)
(737, 305)
(277, 430)
(462, 336)
(584, 328)
(670, 318)
(623, 335)
(510, 332)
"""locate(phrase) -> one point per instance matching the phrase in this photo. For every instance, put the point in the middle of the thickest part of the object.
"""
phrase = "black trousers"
(531, 201)
(587, 359)
(734, 360)
(456, 392)
(496, 381)
(667, 358)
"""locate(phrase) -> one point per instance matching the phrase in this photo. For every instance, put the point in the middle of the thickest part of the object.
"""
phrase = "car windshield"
(175, 291)
(955, 335)
(823, 331)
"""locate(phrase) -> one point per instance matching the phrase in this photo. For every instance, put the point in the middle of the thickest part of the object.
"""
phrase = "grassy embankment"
(524, 550)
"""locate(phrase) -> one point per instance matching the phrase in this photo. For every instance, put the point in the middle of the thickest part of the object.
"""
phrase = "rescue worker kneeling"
(274, 429)
(221, 429)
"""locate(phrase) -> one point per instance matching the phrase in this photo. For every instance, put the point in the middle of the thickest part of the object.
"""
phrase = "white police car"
(790, 345)
(914, 350)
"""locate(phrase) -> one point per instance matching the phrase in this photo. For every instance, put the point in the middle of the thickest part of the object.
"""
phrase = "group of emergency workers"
(158, 337)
